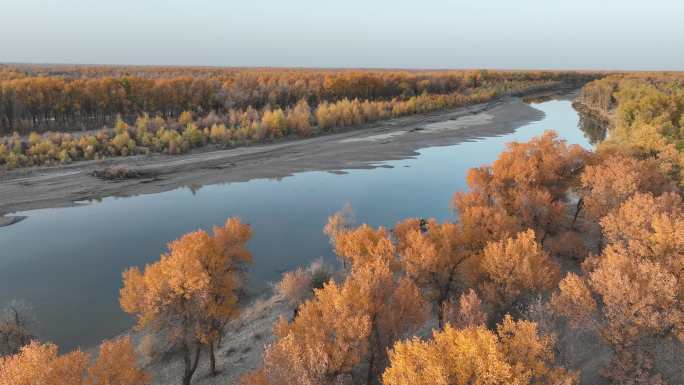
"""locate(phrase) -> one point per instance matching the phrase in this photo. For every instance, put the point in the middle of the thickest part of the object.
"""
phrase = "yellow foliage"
(515, 267)
(516, 355)
(117, 364)
(191, 292)
(343, 327)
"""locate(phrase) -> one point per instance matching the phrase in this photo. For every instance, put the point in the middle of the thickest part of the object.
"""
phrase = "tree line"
(75, 98)
(646, 113)
(342, 100)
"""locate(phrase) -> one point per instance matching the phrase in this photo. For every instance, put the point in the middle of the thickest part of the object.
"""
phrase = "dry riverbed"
(57, 186)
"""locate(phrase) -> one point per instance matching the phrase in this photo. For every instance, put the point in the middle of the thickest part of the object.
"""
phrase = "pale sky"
(567, 34)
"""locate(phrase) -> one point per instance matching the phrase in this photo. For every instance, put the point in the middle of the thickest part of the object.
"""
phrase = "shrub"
(295, 286)
(193, 136)
(274, 123)
(219, 134)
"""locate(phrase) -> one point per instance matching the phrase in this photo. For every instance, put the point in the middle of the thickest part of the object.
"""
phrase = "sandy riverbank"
(58, 186)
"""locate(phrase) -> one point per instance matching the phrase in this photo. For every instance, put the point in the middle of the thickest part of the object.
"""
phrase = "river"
(67, 262)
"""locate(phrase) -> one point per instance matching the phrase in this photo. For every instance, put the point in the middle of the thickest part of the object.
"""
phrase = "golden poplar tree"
(117, 364)
(615, 178)
(40, 364)
(514, 268)
(192, 291)
(632, 291)
(362, 245)
(344, 328)
(516, 354)
(525, 187)
(433, 258)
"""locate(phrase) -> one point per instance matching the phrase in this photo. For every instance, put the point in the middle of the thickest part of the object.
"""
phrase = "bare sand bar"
(354, 148)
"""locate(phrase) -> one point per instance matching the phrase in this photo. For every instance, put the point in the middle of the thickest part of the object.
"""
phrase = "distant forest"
(34, 97)
(138, 110)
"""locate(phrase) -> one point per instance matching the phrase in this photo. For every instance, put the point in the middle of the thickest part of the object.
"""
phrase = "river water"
(67, 262)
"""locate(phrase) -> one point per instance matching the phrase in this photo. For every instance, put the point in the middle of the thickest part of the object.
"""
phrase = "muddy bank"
(10, 220)
(59, 186)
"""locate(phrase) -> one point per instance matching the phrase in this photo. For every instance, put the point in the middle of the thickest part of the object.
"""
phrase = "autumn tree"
(343, 332)
(545, 162)
(192, 291)
(340, 222)
(361, 245)
(295, 287)
(514, 268)
(299, 118)
(298, 285)
(570, 244)
(606, 185)
(467, 311)
(482, 221)
(117, 364)
(41, 364)
(432, 256)
(632, 291)
(514, 354)
(526, 187)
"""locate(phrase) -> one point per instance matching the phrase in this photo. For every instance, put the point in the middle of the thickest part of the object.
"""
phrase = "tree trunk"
(371, 369)
(544, 238)
(373, 342)
(190, 363)
(441, 312)
(212, 358)
(444, 296)
(580, 204)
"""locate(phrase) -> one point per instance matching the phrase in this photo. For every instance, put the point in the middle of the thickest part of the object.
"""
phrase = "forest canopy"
(60, 114)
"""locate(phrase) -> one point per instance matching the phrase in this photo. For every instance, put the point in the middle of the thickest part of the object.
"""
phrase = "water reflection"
(594, 127)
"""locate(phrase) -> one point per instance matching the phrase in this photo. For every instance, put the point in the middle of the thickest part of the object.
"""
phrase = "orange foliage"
(192, 291)
(295, 286)
(432, 258)
(638, 279)
(57, 96)
(514, 268)
(364, 244)
(574, 301)
(525, 187)
(516, 354)
(568, 244)
(481, 222)
(117, 365)
(545, 163)
(467, 312)
(40, 364)
(344, 328)
(614, 179)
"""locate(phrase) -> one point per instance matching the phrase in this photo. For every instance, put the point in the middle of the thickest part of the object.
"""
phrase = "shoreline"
(594, 113)
(9, 220)
(353, 148)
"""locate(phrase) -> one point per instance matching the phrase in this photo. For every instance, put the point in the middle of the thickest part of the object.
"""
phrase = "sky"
(507, 34)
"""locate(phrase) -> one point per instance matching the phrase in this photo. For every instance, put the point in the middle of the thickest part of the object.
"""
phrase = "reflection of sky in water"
(67, 262)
